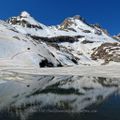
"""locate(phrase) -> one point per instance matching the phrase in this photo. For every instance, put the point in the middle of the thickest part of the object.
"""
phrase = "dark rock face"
(74, 61)
(99, 29)
(108, 52)
(86, 31)
(87, 41)
(58, 39)
(23, 23)
(46, 63)
(66, 23)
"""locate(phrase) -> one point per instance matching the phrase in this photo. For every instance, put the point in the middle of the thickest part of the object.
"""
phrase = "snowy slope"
(18, 49)
(91, 37)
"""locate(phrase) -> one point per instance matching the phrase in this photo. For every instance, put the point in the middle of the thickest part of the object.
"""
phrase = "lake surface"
(59, 97)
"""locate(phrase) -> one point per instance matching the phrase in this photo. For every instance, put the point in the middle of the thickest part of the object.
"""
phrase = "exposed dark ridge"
(58, 39)
(97, 26)
(87, 41)
(108, 52)
(23, 23)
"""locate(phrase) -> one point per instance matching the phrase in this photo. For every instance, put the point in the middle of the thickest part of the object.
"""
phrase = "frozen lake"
(112, 71)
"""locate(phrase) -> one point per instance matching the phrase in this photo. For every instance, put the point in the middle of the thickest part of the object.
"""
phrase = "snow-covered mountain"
(25, 41)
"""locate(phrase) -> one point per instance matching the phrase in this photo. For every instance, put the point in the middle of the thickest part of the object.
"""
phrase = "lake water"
(37, 97)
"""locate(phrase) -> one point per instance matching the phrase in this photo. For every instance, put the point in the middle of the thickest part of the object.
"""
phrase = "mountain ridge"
(73, 42)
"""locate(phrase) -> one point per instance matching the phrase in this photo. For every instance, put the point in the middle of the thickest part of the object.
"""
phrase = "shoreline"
(111, 71)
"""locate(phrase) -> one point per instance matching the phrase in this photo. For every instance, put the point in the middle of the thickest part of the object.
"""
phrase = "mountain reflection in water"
(25, 96)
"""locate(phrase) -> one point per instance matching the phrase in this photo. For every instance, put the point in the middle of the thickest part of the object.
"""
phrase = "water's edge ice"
(111, 71)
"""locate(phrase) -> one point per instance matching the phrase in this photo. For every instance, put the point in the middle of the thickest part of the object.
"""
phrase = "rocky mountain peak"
(72, 22)
(24, 14)
(78, 17)
(24, 20)
(74, 18)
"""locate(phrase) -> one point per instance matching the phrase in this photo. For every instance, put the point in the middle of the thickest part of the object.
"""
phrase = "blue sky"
(104, 12)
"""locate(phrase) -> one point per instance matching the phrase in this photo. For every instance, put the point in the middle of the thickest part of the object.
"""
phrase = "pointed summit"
(25, 14)
(74, 18)
(25, 20)
(76, 24)
(26, 24)
(78, 17)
